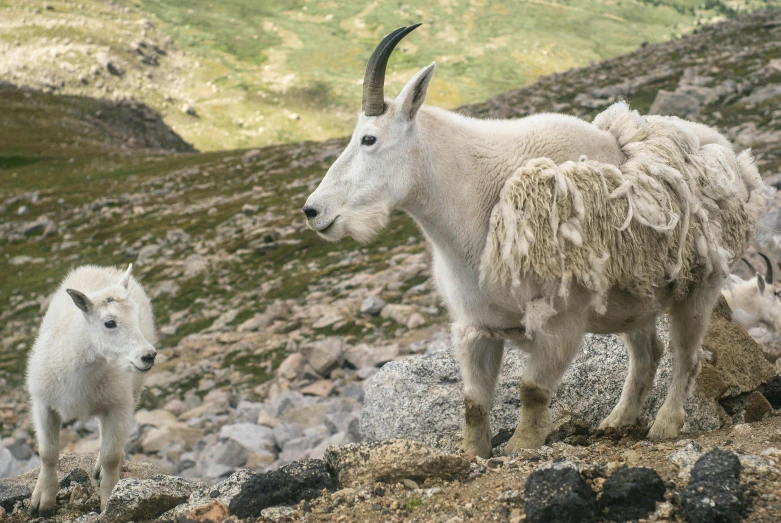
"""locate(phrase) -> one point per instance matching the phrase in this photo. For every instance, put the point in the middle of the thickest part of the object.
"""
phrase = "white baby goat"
(447, 172)
(95, 344)
(754, 301)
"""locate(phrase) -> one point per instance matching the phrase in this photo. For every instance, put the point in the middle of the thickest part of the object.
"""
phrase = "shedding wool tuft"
(672, 214)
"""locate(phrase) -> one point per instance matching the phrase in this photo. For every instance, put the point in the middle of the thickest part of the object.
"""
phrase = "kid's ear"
(411, 97)
(81, 300)
(761, 283)
(125, 281)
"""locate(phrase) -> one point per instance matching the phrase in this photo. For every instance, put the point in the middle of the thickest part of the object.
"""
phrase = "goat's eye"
(110, 324)
(368, 139)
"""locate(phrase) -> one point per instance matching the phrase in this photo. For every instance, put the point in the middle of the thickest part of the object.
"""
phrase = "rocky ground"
(271, 340)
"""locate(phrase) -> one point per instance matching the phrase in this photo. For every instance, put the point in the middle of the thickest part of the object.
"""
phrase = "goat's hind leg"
(645, 350)
(47, 426)
(480, 360)
(688, 322)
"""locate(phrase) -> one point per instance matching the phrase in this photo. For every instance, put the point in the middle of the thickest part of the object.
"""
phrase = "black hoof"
(46, 513)
(33, 511)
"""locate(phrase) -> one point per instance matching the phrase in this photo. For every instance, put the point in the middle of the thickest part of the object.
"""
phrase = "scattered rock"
(10, 495)
(559, 494)
(252, 156)
(674, 104)
(714, 492)
(389, 461)
(756, 407)
(146, 499)
(631, 493)
(324, 355)
(372, 306)
(288, 485)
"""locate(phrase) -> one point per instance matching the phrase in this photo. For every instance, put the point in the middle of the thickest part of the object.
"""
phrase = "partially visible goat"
(90, 357)
(754, 301)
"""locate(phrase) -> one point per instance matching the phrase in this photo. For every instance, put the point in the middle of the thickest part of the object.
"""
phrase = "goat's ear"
(411, 97)
(761, 284)
(81, 300)
(125, 281)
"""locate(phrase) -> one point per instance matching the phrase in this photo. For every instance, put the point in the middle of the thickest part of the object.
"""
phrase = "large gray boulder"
(422, 395)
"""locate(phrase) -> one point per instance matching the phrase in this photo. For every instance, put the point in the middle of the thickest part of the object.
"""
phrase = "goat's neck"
(463, 171)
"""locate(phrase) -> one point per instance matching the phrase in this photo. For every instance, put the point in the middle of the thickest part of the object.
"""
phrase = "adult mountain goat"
(548, 227)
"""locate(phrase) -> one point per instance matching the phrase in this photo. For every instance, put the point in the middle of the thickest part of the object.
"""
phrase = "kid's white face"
(114, 327)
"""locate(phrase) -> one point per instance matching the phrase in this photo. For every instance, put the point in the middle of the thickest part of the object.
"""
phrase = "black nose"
(310, 212)
(149, 358)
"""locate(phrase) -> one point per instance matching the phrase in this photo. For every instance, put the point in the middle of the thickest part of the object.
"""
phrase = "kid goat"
(95, 344)
(547, 227)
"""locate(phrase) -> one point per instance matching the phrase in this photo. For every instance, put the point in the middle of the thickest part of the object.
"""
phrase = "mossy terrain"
(259, 73)
(214, 232)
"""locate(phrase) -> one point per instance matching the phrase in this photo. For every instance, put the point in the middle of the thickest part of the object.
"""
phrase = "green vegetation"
(260, 73)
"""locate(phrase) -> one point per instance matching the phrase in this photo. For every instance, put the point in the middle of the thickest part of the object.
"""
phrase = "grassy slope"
(249, 66)
(116, 202)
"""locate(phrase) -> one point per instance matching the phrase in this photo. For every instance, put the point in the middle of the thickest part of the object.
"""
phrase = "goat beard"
(364, 223)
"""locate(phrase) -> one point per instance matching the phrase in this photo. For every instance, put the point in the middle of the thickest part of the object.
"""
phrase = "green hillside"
(256, 73)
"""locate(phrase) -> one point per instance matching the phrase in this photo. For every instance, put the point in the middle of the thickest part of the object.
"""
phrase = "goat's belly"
(625, 312)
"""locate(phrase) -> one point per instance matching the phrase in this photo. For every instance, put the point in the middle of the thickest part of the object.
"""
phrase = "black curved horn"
(769, 271)
(373, 102)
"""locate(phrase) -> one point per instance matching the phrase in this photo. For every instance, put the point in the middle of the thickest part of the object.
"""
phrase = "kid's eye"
(110, 324)
(368, 139)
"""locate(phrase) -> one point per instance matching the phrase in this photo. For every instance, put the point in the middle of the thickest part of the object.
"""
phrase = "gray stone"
(674, 104)
(372, 305)
(423, 394)
(11, 495)
(362, 356)
(285, 432)
(222, 458)
(72, 461)
(325, 355)
(248, 411)
(254, 438)
(140, 500)
(223, 491)
(251, 156)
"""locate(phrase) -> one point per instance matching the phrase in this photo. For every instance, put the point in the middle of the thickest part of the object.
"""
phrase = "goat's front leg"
(645, 351)
(688, 322)
(47, 426)
(547, 362)
(113, 431)
(480, 360)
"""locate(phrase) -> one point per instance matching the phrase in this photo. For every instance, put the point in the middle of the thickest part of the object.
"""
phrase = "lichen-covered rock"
(10, 495)
(421, 395)
(559, 494)
(631, 493)
(73, 461)
(390, 461)
(146, 499)
(714, 493)
(223, 492)
(288, 485)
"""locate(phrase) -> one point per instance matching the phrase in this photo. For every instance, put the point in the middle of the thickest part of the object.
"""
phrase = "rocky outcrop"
(422, 395)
